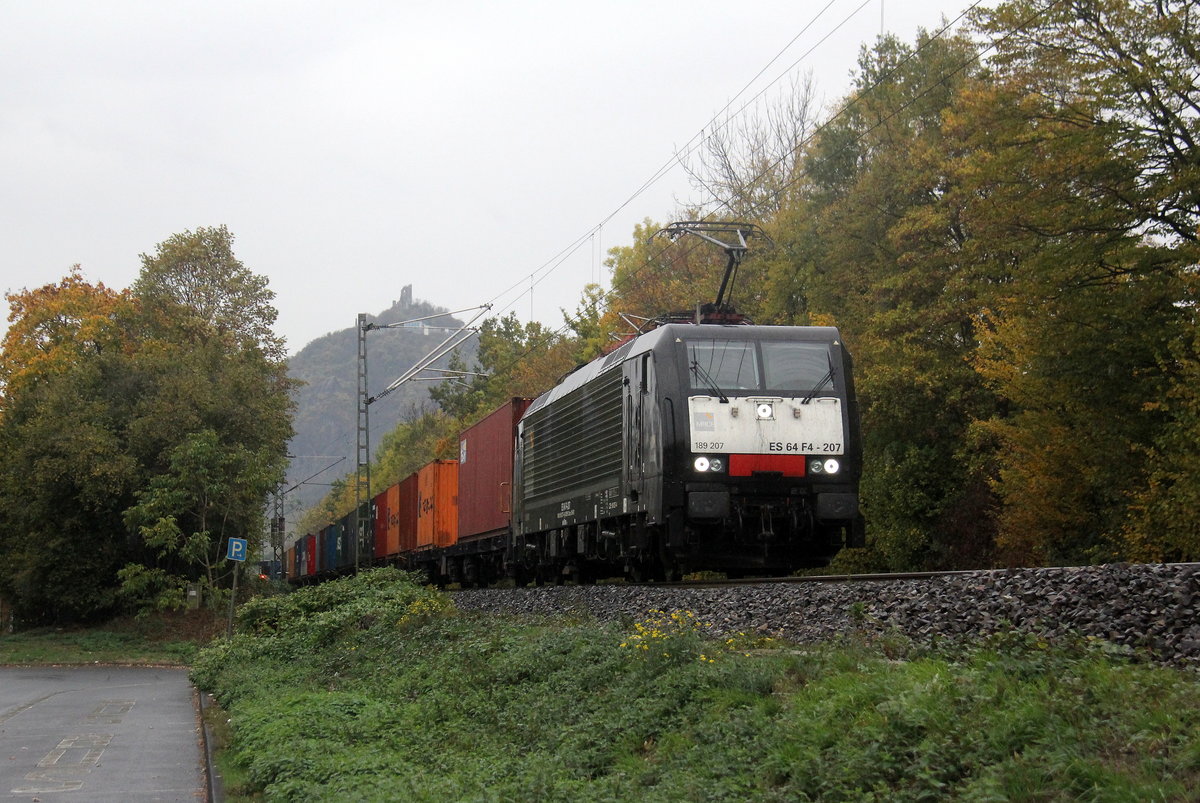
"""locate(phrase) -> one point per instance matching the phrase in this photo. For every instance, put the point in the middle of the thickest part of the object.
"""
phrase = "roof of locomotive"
(681, 331)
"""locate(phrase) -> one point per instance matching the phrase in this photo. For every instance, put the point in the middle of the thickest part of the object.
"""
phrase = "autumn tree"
(1009, 248)
(750, 161)
(139, 430)
(869, 245)
(657, 274)
(1082, 185)
(65, 474)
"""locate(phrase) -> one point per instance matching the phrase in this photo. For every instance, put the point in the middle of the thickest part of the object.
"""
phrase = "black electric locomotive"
(692, 447)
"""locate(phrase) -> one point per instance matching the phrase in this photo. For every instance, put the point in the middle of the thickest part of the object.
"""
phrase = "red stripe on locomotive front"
(789, 465)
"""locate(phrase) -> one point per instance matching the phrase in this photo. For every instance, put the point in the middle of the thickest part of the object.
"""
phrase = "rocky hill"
(326, 415)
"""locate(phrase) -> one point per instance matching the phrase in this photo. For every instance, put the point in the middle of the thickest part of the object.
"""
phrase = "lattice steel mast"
(362, 469)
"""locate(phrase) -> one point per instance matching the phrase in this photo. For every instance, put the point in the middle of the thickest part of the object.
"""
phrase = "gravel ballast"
(1153, 608)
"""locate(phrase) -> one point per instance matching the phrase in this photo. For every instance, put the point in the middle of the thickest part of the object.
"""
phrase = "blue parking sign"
(237, 549)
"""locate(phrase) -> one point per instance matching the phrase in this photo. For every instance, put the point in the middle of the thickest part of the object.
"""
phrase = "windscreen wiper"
(825, 380)
(708, 381)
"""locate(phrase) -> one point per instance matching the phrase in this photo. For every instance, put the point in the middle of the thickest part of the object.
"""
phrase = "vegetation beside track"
(375, 688)
(170, 639)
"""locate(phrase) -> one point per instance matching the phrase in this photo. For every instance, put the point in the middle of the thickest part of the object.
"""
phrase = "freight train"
(691, 447)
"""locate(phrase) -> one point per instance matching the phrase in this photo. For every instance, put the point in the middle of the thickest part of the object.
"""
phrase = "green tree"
(426, 436)
(1165, 519)
(212, 420)
(211, 491)
(194, 289)
(593, 325)
(516, 360)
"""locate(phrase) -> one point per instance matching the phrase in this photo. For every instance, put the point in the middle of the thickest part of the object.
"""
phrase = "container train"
(692, 447)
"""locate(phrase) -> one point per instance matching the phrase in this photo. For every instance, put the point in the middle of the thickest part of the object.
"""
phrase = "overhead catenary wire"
(540, 273)
(457, 338)
(726, 204)
(551, 264)
(715, 123)
(883, 79)
(712, 127)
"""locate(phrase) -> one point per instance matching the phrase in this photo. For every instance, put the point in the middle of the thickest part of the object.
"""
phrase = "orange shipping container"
(405, 513)
(437, 504)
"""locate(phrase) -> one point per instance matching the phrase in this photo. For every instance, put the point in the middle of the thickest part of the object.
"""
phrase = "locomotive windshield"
(728, 364)
(767, 365)
(795, 366)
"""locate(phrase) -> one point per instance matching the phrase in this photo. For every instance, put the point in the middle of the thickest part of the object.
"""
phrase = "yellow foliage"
(54, 326)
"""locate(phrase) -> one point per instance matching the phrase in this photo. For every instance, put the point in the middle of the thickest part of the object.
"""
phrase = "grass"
(228, 773)
(374, 688)
(171, 640)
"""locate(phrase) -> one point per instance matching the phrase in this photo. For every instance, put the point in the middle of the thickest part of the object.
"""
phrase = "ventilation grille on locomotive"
(576, 441)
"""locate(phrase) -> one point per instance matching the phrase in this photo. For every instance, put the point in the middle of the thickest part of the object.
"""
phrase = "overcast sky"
(354, 147)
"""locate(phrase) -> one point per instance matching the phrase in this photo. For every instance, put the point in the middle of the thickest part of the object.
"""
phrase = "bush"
(377, 690)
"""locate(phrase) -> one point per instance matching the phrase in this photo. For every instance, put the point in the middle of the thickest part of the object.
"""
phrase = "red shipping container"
(392, 533)
(485, 467)
(437, 504)
(310, 554)
(405, 513)
(380, 523)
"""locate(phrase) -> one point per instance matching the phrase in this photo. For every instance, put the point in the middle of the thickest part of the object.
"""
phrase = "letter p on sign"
(237, 549)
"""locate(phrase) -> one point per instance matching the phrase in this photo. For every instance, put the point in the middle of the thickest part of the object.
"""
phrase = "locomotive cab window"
(796, 366)
(720, 366)
(728, 364)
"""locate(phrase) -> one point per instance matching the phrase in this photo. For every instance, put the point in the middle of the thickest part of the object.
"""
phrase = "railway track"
(1148, 610)
(878, 577)
(875, 577)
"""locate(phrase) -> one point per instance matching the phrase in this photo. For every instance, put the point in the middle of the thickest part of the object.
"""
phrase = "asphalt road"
(85, 734)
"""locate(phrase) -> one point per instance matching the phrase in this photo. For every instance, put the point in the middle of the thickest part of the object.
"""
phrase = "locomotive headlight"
(832, 466)
(708, 465)
(765, 411)
(816, 467)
